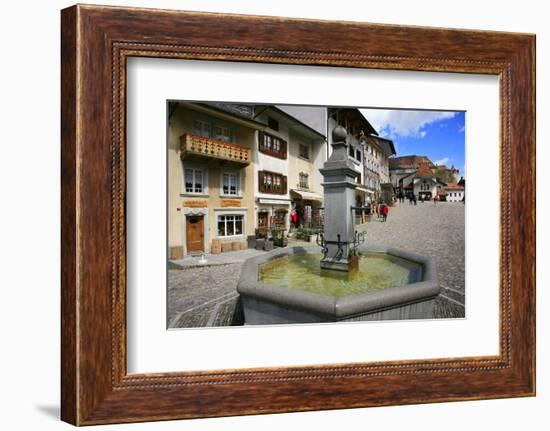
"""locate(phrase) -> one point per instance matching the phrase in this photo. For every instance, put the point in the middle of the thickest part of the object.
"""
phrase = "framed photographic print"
(322, 214)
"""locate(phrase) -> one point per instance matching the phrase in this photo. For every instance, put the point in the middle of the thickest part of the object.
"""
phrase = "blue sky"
(436, 134)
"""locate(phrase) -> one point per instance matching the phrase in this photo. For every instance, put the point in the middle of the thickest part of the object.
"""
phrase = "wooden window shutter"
(283, 148)
(260, 140)
(283, 185)
(261, 185)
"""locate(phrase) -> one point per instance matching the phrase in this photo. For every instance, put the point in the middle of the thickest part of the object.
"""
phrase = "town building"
(358, 129)
(404, 170)
(286, 164)
(237, 170)
(454, 192)
(403, 167)
(211, 175)
(423, 184)
(377, 152)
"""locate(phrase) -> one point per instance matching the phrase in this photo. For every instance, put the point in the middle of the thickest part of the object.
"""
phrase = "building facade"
(235, 171)
(403, 168)
(454, 192)
(404, 171)
(210, 176)
(287, 159)
(424, 184)
(377, 152)
(358, 129)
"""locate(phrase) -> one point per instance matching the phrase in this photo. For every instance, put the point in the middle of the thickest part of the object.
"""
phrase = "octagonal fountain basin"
(288, 286)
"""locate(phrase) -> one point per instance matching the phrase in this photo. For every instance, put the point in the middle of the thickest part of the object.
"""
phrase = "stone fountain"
(339, 240)
(341, 279)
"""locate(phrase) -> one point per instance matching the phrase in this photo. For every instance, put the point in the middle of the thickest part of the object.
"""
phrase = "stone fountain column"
(339, 196)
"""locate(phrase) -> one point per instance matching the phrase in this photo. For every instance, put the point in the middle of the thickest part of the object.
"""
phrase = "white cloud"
(443, 161)
(393, 122)
(462, 128)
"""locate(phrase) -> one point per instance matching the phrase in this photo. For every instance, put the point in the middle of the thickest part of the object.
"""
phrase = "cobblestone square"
(200, 296)
(435, 231)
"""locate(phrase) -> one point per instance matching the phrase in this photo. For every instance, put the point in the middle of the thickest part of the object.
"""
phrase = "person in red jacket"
(294, 216)
(385, 210)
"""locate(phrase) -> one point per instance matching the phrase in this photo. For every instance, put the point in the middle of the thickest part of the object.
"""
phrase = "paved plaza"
(433, 231)
(200, 295)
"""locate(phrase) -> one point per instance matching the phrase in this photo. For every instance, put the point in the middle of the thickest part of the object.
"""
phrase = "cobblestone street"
(434, 231)
(201, 296)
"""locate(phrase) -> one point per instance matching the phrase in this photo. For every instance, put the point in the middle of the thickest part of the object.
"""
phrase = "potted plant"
(279, 237)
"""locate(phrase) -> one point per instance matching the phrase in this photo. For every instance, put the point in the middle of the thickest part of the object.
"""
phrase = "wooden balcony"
(194, 147)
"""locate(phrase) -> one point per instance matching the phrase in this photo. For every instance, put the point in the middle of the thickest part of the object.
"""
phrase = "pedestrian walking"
(385, 209)
(436, 198)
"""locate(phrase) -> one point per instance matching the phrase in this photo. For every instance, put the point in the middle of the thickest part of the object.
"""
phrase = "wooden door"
(195, 233)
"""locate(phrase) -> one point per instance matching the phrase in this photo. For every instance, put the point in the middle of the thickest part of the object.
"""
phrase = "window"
(270, 182)
(303, 180)
(230, 225)
(276, 145)
(276, 182)
(222, 133)
(272, 123)
(272, 145)
(194, 180)
(230, 183)
(354, 152)
(202, 128)
(303, 151)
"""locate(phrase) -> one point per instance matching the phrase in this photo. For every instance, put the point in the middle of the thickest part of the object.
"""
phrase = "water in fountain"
(376, 271)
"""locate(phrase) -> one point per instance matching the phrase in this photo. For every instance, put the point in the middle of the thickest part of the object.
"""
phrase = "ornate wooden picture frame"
(96, 42)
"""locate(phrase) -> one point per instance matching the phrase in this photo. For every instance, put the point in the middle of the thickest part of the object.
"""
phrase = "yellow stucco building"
(210, 177)
(235, 171)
